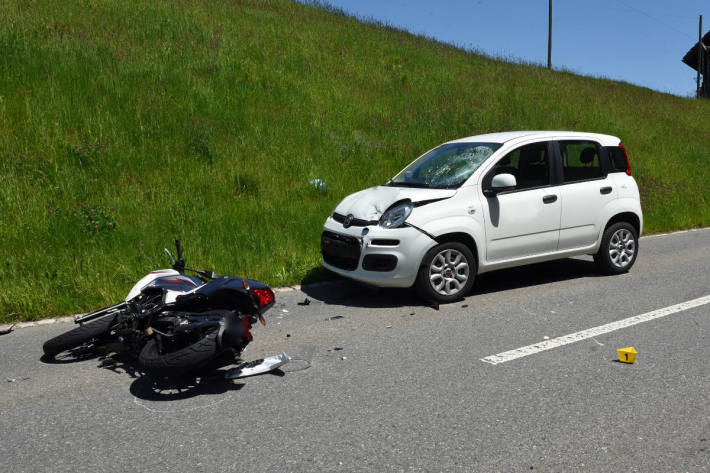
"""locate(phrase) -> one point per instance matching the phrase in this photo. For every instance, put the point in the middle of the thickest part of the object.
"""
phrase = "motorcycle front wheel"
(179, 362)
(85, 333)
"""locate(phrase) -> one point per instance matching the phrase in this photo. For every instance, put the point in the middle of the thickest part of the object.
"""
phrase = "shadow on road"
(151, 389)
(354, 294)
(208, 381)
(534, 275)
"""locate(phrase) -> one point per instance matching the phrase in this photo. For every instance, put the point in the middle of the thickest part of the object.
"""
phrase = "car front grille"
(355, 222)
(341, 251)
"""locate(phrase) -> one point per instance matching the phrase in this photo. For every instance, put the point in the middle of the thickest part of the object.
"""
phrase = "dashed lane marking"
(593, 332)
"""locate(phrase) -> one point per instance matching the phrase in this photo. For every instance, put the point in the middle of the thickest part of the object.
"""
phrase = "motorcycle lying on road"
(176, 323)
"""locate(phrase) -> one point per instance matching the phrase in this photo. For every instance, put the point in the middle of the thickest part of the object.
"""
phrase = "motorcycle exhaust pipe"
(199, 325)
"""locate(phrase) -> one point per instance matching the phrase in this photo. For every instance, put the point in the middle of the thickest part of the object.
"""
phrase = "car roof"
(504, 137)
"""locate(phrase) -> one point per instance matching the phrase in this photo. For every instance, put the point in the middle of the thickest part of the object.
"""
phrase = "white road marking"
(298, 287)
(593, 332)
(653, 235)
(177, 411)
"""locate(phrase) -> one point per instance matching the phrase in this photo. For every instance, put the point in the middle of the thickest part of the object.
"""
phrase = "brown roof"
(691, 57)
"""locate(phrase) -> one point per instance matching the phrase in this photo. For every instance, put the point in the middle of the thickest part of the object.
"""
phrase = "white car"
(488, 202)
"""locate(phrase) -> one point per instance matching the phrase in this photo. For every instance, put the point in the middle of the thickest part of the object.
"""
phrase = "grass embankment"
(126, 123)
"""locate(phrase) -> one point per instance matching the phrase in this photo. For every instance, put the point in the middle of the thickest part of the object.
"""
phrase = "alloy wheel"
(448, 272)
(622, 247)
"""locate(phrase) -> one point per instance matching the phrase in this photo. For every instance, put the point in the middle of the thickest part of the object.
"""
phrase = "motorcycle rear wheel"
(179, 362)
(85, 333)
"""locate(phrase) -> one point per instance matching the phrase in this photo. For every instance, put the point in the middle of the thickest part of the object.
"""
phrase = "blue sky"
(637, 41)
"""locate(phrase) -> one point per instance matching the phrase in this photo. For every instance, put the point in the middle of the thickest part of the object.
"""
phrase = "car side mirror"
(500, 183)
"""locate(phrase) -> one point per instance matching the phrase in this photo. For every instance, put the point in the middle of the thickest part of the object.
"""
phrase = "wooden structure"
(700, 61)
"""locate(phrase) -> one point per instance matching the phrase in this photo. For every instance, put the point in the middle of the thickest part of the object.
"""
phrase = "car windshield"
(447, 166)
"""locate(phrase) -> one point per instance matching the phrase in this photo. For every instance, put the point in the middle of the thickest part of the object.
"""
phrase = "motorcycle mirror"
(172, 260)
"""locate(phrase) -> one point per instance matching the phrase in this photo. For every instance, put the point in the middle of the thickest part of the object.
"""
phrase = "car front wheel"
(447, 272)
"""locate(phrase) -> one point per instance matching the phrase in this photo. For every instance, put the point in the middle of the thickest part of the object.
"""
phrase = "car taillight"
(265, 296)
(628, 163)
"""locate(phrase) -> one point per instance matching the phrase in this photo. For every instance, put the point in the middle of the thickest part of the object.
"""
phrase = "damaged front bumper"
(374, 255)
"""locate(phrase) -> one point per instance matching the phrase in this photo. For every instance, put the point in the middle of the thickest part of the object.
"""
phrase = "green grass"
(127, 123)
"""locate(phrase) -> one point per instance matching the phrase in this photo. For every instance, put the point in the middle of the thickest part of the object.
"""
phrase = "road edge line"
(292, 288)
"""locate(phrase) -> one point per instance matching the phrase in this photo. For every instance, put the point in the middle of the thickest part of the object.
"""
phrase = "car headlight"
(395, 216)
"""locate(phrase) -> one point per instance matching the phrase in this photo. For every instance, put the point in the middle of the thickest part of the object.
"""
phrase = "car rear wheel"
(618, 250)
(447, 272)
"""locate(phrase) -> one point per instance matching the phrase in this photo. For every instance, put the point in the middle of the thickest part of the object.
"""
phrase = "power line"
(655, 19)
(597, 6)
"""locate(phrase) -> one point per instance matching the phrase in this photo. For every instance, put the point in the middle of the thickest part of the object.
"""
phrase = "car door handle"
(605, 190)
(548, 199)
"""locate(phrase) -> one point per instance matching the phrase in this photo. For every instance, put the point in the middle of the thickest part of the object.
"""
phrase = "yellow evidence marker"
(627, 355)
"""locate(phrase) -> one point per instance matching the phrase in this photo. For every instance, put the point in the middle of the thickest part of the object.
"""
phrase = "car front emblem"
(348, 221)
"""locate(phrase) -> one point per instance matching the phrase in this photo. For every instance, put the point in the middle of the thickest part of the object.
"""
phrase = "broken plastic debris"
(319, 184)
(464, 306)
(389, 326)
(343, 357)
(284, 311)
(8, 330)
(335, 317)
(433, 304)
(255, 367)
(337, 348)
(306, 301)
(10, 380)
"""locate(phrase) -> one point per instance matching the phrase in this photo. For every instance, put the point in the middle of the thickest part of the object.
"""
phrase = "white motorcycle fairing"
(252, 368)
(183, 284)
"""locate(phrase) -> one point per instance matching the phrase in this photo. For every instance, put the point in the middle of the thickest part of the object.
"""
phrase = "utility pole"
(700, 53)
(549, 36)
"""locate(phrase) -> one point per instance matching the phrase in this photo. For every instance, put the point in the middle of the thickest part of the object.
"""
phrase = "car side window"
(580, 160)
(617, 159)
(529, 164)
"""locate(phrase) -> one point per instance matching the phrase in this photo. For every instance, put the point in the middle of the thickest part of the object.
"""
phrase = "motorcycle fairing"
(258, 366)
(225, 293)
(168, 279)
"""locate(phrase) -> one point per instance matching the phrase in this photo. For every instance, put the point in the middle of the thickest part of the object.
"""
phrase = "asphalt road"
(408, 391)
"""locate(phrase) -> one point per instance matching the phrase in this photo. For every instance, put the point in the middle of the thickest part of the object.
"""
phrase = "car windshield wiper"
(408, 184)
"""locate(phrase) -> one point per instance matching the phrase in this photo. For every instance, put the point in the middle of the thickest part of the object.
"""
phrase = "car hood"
(371, 203)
